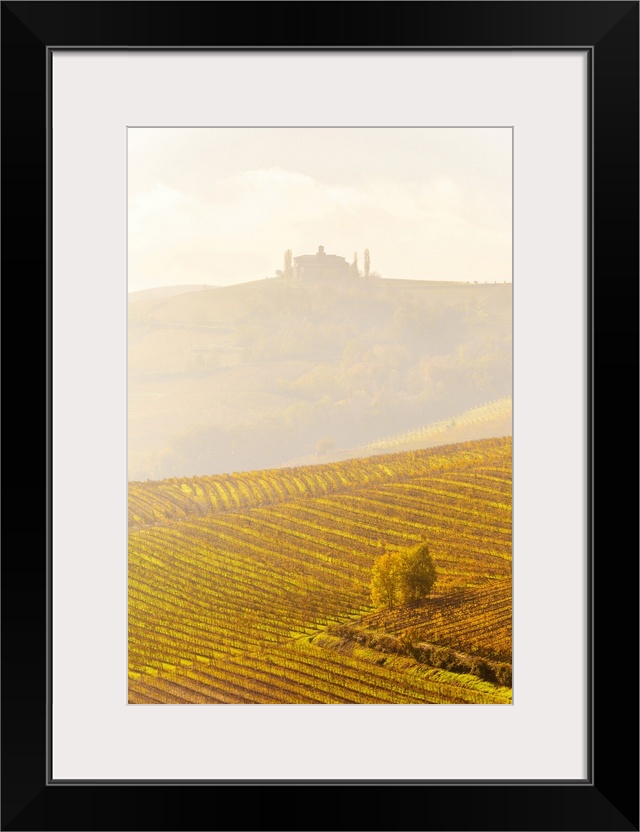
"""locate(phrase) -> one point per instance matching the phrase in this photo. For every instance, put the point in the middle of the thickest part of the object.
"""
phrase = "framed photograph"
(319, 456)
(324, 309)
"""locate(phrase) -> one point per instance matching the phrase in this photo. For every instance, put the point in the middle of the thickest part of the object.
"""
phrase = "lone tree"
(402, 577)
(367, 263)
(288, 260)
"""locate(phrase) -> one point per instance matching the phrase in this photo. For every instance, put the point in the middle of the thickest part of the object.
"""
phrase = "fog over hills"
(164, 292)
(258, 374)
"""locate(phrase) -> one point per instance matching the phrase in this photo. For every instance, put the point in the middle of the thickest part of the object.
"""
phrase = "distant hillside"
(490, 420)
(255, 375)
(163, 292)
(255, 588)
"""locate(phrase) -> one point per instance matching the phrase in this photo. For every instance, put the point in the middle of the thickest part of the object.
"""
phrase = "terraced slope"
(491, 419)
(477, 621)
(232, 579)
(173, 499)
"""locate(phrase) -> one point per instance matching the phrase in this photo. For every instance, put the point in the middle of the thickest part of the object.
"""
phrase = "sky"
(221, 205)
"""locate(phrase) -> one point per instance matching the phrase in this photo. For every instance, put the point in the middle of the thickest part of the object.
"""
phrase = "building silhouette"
(319, 266)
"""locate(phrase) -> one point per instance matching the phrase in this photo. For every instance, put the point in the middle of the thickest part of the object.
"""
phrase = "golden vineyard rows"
(477, 621)
(498, 410)
(176, 498)
(231, 577)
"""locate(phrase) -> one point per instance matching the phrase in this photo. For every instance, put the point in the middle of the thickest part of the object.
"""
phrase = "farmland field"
(256, 587)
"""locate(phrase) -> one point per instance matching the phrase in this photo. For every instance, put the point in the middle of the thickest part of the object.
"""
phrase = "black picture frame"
(608, 798)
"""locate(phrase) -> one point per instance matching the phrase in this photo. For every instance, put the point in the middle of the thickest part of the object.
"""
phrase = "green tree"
(367, 263)
(402, 577)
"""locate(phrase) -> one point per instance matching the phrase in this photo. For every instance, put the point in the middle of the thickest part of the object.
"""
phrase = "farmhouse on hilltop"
(319, 266)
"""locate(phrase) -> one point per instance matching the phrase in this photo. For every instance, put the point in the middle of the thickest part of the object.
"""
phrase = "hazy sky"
(221, 205)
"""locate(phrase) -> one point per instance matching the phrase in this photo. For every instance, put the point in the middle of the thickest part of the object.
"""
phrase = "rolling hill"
(491, 420)
(255, 587)
(259, 374)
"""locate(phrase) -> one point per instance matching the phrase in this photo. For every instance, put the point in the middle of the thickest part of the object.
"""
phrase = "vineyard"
(477, 621)
(492, 419)
(235, 581)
